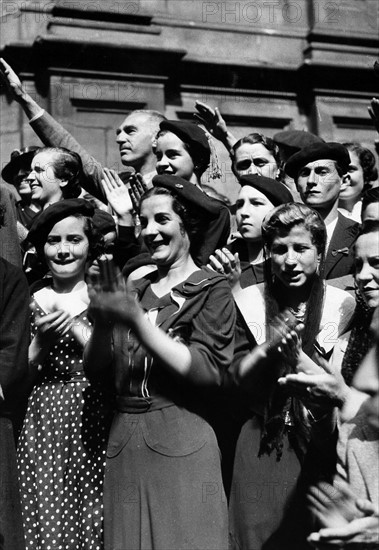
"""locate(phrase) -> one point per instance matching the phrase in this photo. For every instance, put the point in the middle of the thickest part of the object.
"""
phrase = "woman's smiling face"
(162, 231)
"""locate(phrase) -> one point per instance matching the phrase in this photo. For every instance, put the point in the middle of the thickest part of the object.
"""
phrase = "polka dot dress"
(61, 454)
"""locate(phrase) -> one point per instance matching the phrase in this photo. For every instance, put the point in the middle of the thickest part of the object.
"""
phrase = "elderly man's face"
(135, 139)
(319, 183)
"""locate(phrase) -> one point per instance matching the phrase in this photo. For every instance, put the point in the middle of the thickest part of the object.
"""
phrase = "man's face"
(319, 184)
(20, 181)
(135, 138)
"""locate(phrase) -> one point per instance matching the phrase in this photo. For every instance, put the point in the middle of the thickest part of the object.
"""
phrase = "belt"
(136, 405)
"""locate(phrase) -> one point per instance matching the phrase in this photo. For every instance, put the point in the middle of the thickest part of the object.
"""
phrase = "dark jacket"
(339, 259)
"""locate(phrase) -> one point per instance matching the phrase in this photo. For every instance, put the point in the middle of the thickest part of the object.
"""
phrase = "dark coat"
(14, 340)
(339, 259)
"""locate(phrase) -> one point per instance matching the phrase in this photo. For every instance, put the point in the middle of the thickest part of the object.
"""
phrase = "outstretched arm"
(51, 133)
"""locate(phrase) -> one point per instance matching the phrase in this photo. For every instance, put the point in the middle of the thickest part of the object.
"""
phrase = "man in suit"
(318, 171)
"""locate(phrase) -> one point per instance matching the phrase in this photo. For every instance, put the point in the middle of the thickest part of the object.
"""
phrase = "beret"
(20, 158)
(296, 140)
(45, 221)
(275, 191)
(190, 194)
(103, 221)
(190, 133)
(318, 151)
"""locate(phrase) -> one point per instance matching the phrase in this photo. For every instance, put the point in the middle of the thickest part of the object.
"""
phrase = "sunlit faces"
(354, 179)
(162, 231)
(135, 138)
(173, 157)
(45, 186)
(251, 207)
(367, 267)
(66, 249)
(294, 257)
(319, 183)
(254, 158)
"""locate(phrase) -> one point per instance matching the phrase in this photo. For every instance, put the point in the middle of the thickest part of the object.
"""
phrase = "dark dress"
(14, 340)
(163, 487)
(61, 453)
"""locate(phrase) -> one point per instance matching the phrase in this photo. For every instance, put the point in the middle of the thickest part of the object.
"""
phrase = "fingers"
(204, 109)
(215, 264)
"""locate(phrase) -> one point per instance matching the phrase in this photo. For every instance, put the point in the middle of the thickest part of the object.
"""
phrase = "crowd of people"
(177, 372)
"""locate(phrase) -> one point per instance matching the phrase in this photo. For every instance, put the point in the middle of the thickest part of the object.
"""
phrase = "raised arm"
(51, 133)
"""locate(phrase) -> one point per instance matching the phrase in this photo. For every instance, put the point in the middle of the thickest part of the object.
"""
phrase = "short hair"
(94, 236)
(257, 138)
(366, 159)
(155, 117)
(369, 197)
(286, 216)
(196, 153)
(193, 224)
(67, 166)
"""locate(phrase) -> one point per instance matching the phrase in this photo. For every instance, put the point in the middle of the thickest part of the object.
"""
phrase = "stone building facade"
(268, 65)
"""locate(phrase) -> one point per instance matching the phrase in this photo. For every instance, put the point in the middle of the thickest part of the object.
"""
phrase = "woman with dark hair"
(361, 174)
(56, 173)
(282, 423)
(167, 351)
(255, 154)
(61, 450)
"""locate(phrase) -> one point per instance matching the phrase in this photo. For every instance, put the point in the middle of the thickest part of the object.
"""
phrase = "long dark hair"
(192, 222)
(281, 220)
(361, 338)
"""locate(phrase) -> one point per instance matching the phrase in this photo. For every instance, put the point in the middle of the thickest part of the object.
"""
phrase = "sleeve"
(14, 327)
(126, 246)
(52, 134)
(212, 339)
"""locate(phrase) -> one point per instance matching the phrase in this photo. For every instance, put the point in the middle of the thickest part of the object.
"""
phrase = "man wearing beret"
(318, 170)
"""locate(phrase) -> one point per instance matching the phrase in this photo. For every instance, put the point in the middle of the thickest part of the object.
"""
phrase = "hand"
(117, 194)
(343, 518)
(137, 188)
(111, 299)
(52, 326)
(223, 261)
(212, 120)
(325, 390)
(13, 82)
(374, 112)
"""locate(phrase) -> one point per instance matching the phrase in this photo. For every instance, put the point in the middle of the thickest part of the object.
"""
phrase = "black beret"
(190, 133)
(318, 151)
(103, 221)
(275, 191)
(190, 194)
(296, 139)
(45, 221)
(20, 158)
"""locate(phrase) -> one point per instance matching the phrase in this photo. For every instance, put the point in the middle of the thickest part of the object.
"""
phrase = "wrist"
(125, 219)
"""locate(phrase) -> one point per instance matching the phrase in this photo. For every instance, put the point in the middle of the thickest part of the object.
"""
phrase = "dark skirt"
(163, 487)
(11, 530)
(267, 507)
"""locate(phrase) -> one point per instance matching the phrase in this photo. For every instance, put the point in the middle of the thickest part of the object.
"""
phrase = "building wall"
(268, 65)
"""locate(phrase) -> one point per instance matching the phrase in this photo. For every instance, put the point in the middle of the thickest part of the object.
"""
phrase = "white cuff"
(38, 115)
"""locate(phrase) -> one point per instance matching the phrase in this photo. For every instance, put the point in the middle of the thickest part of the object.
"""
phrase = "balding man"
(318, 171)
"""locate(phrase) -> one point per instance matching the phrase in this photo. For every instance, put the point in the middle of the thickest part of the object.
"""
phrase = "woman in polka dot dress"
(61, 451)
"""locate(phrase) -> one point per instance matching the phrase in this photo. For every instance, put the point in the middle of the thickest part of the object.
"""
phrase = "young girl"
(62, 445)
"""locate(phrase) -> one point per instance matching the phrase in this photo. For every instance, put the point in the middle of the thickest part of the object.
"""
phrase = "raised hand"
(212, 120)
(117, 194)
(137, 188)
(373, 110)
(12, 80)
(223, 261)
(112, 300)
